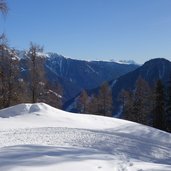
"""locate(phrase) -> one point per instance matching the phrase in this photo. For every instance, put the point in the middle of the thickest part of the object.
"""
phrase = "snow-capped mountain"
(128, 62)
(37, 137)
(75, 75)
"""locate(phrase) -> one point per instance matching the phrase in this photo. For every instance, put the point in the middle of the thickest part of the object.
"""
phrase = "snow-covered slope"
(37, 137)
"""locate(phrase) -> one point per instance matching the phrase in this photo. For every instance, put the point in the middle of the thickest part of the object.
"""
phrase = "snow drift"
(39, 137)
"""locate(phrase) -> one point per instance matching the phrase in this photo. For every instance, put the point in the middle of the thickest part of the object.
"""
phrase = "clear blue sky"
(92, 29)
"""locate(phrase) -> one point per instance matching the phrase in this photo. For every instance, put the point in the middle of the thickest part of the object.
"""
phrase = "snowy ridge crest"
(40, 137)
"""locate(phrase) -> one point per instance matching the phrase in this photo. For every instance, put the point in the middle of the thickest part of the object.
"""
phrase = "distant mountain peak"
(126, 62)
(157, 61)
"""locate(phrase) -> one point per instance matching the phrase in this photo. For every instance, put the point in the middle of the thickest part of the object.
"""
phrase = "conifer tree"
(83, 101)
(142, 101)
(168, 107)
(105, 102)
(93, 105)
(158, 112)
(126, 98)
(137, 105)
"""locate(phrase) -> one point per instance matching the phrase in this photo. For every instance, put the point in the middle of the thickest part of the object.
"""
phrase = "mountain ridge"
(75, 75)
(151, 71)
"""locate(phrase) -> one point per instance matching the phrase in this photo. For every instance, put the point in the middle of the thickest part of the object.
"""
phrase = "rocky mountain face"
(75, 75)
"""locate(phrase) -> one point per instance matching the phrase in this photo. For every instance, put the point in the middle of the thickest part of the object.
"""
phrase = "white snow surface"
(37, 137)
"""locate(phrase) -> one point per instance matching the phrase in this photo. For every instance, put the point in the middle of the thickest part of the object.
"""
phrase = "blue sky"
(92, 29)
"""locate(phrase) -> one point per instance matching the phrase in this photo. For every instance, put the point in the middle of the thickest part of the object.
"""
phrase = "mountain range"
(76, 75)
(151, 71)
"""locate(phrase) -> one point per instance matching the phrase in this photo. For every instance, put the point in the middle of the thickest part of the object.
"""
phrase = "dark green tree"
(159, 111)
(137, 105)
(142, 102)
(168, 106)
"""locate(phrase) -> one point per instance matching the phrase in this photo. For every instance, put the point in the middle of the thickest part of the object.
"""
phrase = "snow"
(39, 137)
(92, 70)
(54, 93)
(113, 83)
(125, 62)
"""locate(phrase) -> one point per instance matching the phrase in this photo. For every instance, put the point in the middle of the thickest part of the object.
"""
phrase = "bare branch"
(3, 7)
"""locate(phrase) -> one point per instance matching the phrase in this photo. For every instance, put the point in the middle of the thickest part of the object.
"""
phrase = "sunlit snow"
(37, 137)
